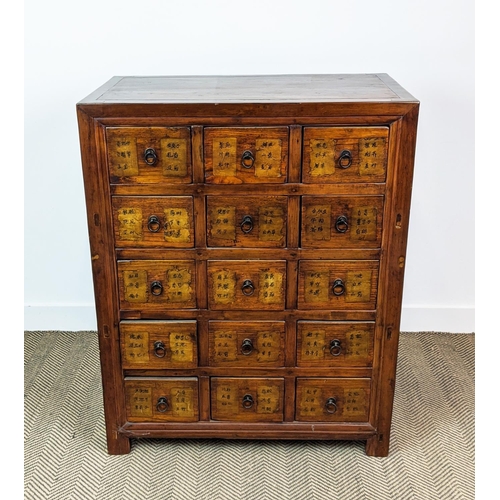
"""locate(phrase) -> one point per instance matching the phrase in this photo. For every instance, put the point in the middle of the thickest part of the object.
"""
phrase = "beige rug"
(431, 455)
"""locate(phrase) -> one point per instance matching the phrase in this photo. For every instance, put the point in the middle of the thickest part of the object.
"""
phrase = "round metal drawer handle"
(246, 347)
(338, 287)
(335, 347)
(341, 224)
(247, 401)
(150, 156)
(159, 349)
(345, 159)
(247, 159)
(154, 224)
(247, 224)
(247, 288)
(156, 288)
(162, 404)
(331, 405)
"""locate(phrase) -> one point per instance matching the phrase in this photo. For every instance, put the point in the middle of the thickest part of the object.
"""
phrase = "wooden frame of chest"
(248, 260)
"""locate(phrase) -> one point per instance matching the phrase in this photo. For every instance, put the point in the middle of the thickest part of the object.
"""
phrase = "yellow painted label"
(313, 345)
(174, 157)
(316, 286)
(354, 403)
(358, 286)
(140, 402)
(177, 225)
(224, 157)
(136, 285)
(179, 285)
(224, 286)
(123, 156)
(270, 286)
(268, 346)
(364, 223)
(321, 157)
(181, 400)
(136, 347)
(130, 224)
(268, 158)
(372, 156)
(271, 223)
(181, 347)
(223, 223)
(358, 344)
(311, 402)
(318, 222)
(227, 399)
(268, 399)
(225, 346)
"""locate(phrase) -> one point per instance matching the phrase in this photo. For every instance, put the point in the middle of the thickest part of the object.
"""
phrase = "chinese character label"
(122, 154)
(358, 286)
(318, 222)
(268, 346)
(268, 158)
(179, 285)
(313, 345)
(181, 399)
(136, 285)
(130, 224)
(268, 399)
(174, 157)
(271, 223)
(270, 286)
(136, 347)
(140, 402)
(364, 223)
(224, 157)
(225, 346)
(321, 157)
(177, 226)
(181, 347)
(316, 286)
(372, 156)
(224, 286)
(223, 225)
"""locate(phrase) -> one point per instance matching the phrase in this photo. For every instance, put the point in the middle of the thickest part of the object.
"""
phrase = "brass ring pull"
(162, 404)
(341, 224)
(247, 288)
(247, 159)
(335, 347)
(338, 287)
(345, 159)
(156, 288)
(331, 405)
(154, 224)
(247, 401)
(150, 156)
(247, 224)
(159, 349)
(246, 347)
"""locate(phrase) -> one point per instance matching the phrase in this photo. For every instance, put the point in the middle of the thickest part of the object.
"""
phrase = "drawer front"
(331, 344)
(338, 284)
(244, 284)
(332, 399)
(245, 154)
(149, 155)
(341, 221)
(157, 284)
(338, 154)
(248, 344)
(246, 221)
(247, 399)
(162, 399)
(158, 344)
(165, 221)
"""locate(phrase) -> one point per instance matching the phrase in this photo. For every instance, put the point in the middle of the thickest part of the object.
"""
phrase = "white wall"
(71, 48)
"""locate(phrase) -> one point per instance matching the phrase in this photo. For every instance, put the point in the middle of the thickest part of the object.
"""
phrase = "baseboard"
(414, 319)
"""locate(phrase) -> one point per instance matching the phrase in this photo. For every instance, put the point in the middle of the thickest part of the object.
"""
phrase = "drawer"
(246, 344)
(332, 399)
(161, 399)
(247, 284)
(247, 399)
(338, 284)
(338, 154)
(142, 221)
(246, 221)
(245, 154)
(149, 155)
(157, 284)
(330, 344)
(158, 344)
(341, 221)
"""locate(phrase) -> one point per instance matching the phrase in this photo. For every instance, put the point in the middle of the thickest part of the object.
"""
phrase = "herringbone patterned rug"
(431, 455)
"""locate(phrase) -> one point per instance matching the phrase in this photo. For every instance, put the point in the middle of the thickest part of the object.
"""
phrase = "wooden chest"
(248, 239)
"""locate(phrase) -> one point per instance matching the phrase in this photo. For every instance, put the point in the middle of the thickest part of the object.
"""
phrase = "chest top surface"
(366, 88)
